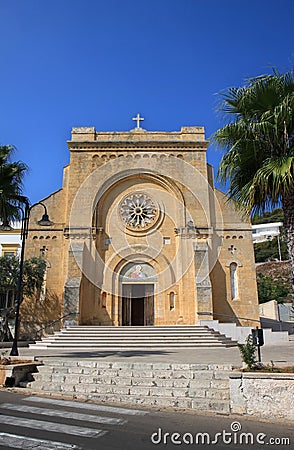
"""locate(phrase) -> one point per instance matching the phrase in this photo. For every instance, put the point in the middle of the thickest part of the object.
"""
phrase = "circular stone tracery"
(138, 211)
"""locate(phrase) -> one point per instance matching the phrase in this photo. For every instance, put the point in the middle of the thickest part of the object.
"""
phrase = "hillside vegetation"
(273, 276)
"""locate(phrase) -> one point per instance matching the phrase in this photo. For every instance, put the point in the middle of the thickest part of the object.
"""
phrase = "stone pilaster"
(72, 286)
(71, 300)
(203, 283)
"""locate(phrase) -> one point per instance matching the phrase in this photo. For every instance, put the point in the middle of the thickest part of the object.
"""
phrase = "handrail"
(55, 321)
(226, 315)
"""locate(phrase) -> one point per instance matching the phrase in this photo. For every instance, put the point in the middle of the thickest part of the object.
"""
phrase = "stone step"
(135, 347)
(139, 334)
(141, 331)
(134, 333)
(134, 338)
(134, 327)
(134, 330)
(139, 339)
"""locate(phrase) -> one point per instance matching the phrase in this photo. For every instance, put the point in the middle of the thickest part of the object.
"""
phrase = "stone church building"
(140, 236)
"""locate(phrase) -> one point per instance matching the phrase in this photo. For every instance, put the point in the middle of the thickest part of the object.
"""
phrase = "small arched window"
(103, 299)
(234, 280)
(172, 301)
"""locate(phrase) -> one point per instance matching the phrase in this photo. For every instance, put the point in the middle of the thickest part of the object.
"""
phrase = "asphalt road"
(36, 422)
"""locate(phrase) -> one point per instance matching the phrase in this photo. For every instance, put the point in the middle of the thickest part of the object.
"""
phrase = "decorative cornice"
(44, 230)
(234, 229)
(80, 232)
(192, 232)
(97, 146)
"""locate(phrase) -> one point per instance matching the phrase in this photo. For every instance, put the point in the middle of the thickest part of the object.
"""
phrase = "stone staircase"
(134, 338)
(240, 333)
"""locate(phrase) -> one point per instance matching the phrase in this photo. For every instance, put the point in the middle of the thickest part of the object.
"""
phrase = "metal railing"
(53, 323)
(7, 299)
(227, 315)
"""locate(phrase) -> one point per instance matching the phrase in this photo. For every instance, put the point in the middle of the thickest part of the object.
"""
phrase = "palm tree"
(259, 148)
(11, 178)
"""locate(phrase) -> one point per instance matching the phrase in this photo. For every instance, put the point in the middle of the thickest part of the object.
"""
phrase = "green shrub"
(272, 289)
(248, 351)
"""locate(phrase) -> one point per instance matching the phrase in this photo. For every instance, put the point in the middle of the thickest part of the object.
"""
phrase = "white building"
(10, 242)
(265, 231)
(10, 245)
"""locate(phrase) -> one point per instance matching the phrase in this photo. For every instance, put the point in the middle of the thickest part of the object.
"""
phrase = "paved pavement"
(281, 354)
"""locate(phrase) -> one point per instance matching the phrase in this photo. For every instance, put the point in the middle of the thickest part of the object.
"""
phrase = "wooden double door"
(137, 304)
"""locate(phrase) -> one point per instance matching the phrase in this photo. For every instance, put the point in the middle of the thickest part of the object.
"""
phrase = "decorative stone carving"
(83, 130)
(80, 232)
(138, 211)
(192, 232)
(206, 283)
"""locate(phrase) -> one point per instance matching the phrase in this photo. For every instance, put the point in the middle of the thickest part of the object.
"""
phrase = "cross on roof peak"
(138, 120)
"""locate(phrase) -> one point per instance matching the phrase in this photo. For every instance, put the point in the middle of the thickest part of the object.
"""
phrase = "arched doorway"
(137, 294)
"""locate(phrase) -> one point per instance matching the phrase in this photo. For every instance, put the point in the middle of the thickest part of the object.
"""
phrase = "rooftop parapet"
(88, 134)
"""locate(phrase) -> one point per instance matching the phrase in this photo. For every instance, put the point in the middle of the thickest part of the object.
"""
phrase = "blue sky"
(68, 63)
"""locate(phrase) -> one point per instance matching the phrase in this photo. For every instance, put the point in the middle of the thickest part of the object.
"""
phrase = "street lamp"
(23, 235)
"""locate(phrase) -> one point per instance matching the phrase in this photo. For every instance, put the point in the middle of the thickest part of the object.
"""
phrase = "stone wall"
(193, 386)
(201, 387)
(264, 395)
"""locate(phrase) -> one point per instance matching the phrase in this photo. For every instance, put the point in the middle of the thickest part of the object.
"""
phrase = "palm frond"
(11, 185)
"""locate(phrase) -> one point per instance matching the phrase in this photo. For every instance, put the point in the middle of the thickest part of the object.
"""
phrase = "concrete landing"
(282, 354)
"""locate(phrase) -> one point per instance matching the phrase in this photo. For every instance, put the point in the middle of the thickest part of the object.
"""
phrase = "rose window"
(138, 211)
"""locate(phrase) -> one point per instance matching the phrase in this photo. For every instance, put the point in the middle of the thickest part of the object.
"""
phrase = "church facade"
(141, 236)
